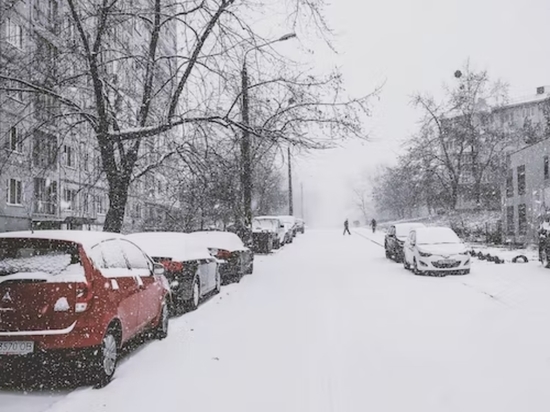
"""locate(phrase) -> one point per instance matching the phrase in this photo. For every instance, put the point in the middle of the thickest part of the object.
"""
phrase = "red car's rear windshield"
(37, 256)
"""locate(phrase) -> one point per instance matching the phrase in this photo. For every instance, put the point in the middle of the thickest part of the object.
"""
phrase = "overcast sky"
(416, 45)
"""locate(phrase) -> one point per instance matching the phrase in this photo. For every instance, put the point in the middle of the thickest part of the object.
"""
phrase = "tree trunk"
(118, 196)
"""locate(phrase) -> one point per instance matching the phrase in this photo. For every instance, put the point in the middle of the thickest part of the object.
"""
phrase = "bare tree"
(119, 72)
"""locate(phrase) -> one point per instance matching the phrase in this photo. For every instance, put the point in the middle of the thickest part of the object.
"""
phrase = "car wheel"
(388, 254)
(406, 264)
(218, 287)
(250, 269)
(415, 268)
(193, 302)
(161, 330)
(106, 358)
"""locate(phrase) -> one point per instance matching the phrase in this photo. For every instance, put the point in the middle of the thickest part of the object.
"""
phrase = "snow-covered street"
(329, 324)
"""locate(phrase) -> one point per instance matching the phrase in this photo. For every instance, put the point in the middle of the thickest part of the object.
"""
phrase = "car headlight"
(424, 254)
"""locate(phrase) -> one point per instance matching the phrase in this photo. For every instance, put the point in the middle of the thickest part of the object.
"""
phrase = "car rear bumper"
(77, 335)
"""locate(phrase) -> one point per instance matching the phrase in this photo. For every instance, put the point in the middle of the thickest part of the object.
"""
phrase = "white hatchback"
(436, 250)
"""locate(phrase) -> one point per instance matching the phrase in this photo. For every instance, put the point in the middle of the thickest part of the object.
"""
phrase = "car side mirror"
(158, 269)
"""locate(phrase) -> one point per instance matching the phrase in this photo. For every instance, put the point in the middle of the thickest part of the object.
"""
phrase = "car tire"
(415, 268)
(406, 264)
(105, 358)
(193, 303)
(218, 287)
(388, 254)
(250, 269)
(161, 330)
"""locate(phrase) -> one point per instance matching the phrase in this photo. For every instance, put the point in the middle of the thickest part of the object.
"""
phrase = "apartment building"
(519, 123)
(50, 166)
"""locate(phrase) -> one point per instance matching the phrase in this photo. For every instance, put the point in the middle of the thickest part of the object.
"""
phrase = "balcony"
(44, 208)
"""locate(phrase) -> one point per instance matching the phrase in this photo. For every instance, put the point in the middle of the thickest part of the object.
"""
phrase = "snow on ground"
(329, 324)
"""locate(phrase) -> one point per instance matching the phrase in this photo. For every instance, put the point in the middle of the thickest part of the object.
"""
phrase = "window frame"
(12, 25)
(522, 182)
(18, 196)
(522, 219)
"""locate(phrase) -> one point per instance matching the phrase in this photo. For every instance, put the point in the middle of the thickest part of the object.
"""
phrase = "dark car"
(267, 234)
(301, 226)
(395, 239)
(190, 269)
(237, 259)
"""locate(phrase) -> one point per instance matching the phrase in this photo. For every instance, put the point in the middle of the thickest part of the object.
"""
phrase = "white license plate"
(16, 348)
(447, 262)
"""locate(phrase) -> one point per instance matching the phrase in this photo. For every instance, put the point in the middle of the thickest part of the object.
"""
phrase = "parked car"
(436, 250)
(268, 232)
(190, 269)
(291, 227)
(73, 295)
(300, 226)
(237, 259)
(395, 239)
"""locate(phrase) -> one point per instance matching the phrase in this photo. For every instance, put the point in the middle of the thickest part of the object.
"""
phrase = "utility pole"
(246, 170)
(290, 200)
(246, 162)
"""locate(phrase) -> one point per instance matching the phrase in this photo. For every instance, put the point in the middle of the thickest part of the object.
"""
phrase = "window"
(135, 256)
(510, 227)
(510, 183)
(113, 255)
(14, 33)
(15, 193)
(69, 199)
(521, 180)
(45, 196)
(522, 219)
(44, 152)
(99, 204)
(546, 168)
(68, 156)
(15, 143)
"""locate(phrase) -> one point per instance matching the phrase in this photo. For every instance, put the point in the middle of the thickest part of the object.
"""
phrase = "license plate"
(447, 262)
(16, 348)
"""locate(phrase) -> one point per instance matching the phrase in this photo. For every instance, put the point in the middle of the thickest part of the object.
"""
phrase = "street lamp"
(246, 170)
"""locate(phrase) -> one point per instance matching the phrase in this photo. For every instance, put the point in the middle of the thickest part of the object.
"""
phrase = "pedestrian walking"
(346, 227)
(373, 224)
(544, 241)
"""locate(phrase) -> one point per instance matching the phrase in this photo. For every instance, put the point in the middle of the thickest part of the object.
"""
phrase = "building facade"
(526, 192)
(50, 166)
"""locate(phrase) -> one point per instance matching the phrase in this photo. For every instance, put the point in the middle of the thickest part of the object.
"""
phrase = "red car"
(76, 296)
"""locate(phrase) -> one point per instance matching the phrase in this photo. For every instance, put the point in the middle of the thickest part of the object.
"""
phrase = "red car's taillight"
(223, 254)
(171, 266)
(84, 295)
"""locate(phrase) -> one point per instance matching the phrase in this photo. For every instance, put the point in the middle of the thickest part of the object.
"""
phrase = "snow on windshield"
(436, 235)
(176, 246)
(40, 259)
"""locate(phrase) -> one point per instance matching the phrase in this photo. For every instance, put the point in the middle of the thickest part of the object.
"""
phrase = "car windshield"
(38, 257)
(436, 236)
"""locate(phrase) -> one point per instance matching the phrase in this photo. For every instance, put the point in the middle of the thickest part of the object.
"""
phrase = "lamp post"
(246, 163)
(290, 195)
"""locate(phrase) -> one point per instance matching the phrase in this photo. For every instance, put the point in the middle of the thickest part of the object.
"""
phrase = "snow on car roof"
(219, 240)
(177, 246)
(433, 235)
(287, 218)
(86, 238)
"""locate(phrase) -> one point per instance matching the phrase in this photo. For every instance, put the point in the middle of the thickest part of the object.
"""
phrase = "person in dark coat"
(373, 224)
(346, 227)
